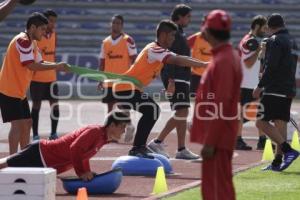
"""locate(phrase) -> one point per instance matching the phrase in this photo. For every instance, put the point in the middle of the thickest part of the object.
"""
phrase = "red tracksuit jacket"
(215, 119)
(73, 149)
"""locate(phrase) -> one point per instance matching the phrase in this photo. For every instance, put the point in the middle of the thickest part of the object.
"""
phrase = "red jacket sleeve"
(86, 165)
(83, 144)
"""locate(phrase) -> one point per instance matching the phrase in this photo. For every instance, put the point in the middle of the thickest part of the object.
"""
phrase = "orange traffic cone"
(82, 194)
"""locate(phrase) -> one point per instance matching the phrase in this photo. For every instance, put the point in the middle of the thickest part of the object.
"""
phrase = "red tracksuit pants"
(217, 177)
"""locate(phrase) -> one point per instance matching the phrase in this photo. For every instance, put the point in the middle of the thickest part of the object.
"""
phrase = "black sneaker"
(142, 152)
(241, 145)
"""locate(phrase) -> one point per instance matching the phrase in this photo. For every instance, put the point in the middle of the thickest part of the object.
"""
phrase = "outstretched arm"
(88, 175)
(81, 150)
(34, 66)
(6, 7)
(185, 61)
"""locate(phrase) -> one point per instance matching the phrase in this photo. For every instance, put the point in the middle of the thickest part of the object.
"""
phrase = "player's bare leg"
(14, 136)
(25, 134)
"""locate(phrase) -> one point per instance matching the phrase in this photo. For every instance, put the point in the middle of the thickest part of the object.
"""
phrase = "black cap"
(275, 20)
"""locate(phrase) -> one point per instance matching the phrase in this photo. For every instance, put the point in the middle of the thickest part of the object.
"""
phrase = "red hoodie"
(73, 149)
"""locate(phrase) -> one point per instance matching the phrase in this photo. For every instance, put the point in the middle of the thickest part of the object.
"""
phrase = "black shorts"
(181, 98)
(43, 91)
(28, 157)
(108, 96)
(274, 108)
(246, 97)
(195, 82)
(133, 99)
(13, 108)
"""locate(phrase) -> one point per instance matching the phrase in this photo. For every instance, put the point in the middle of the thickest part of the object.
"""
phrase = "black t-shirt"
(180, 46)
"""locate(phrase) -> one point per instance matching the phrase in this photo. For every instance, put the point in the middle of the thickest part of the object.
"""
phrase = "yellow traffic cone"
(160, 184)
(295, 141)
(268, 154)
(82, 194)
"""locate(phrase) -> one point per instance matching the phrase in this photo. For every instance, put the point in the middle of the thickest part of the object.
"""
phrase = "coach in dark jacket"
(278, 87)
(177, 82)
(180, 47)
(280, 64)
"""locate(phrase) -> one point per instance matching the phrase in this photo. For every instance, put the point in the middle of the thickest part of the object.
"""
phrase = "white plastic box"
(18, 183)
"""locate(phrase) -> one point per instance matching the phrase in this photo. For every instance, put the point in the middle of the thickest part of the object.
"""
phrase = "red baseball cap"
(217, 20)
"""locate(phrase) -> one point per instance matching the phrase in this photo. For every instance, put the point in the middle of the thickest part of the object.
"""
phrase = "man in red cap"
(215, 121)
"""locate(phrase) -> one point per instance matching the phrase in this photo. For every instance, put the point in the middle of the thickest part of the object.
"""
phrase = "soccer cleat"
(241, 145)
(272, 168)
(141, 151)
(157, 148)
(186, 154)
(53, 136)
(288, 158)
(129, 133)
